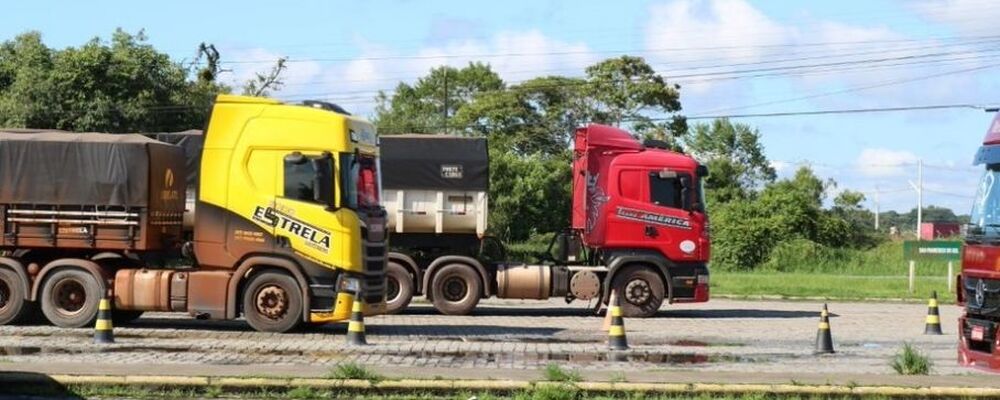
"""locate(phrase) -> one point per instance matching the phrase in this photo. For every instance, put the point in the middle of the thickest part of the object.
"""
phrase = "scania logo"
(168, 180)
(980, 293)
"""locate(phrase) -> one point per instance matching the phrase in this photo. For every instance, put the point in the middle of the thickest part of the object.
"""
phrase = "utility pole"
(445, 110)
(920, 196)
(876, 208)
(919, 188)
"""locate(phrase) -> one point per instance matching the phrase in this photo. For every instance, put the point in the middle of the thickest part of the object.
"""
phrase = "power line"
(841, 111)
(858, 88)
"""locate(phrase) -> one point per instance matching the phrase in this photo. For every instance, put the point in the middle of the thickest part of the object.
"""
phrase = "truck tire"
(456, 289)
(13, 306)
(399, 288)
(70, 298)
(272, 302)
(640, 291)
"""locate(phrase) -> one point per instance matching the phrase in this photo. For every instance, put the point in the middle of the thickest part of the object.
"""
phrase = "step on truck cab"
(639, 226)
(978, 284)
(287, 226)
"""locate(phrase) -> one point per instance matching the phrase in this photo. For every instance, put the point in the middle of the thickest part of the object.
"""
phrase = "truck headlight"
(348, 284)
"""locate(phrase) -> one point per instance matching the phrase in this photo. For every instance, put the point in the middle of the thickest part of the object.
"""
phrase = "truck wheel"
(399, 288)
(640, 291)
(12, 304)
(70, 298)
(272, 302)
(456, 289)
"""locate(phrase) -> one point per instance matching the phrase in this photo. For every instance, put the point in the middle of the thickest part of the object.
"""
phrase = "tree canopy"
(124, 85)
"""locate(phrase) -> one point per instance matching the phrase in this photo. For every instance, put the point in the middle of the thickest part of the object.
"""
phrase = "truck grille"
(982, 296)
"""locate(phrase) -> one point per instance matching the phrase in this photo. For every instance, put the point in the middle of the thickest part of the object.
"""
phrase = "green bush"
(555, 373)
(910, 361)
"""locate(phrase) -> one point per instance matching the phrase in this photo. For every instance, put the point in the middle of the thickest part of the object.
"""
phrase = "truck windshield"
(985, 217)
(359, 181)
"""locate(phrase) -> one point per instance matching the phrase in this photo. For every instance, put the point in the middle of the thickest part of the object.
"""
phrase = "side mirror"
(323, 180)
(296, 158)
(685, 192)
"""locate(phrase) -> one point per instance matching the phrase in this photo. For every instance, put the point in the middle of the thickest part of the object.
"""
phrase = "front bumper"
(980, 354)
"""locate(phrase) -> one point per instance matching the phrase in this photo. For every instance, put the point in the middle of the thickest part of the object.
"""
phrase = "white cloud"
(781, 166)
(515, 56)
(966, 16)
(686, 34)
(877, 162)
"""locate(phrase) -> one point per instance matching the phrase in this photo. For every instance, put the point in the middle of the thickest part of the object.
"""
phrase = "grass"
(831, 286)
(555, 373)
(910, 361)
(352, 370)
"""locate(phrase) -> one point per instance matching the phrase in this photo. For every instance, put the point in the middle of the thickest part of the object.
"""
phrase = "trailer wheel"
(640, 291)
(398, 287)
(13, 307)
(70, 298)
(456, 289)
(272, 302)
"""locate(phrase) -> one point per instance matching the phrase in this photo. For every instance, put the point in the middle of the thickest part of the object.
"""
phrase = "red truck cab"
(635, 200)
(979, 282)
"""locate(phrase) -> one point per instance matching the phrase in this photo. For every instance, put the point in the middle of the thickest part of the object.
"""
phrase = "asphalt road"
(771, 338)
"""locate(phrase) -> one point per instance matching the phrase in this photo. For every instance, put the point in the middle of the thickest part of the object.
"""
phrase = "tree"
(264, 82)
(428, 105)
(626, 90)
(734, 156)
(536, 116)
(121, 86)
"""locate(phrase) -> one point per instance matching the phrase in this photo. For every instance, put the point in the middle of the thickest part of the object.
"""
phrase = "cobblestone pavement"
(722, 335)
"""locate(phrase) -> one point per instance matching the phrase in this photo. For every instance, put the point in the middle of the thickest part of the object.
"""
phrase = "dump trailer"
(287, 227)
(639, 226)
(978, 284)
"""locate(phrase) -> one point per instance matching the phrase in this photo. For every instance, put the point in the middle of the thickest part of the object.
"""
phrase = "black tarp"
(62, 168)
(192, 141)
(438, 162)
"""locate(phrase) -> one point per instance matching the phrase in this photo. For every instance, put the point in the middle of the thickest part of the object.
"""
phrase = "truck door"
(304, 194)
(254, 231)
(651, 212)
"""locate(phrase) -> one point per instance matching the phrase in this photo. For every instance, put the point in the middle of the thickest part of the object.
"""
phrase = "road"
(771, 338)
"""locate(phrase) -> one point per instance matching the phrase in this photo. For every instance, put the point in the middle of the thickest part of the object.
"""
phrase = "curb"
(236, 383)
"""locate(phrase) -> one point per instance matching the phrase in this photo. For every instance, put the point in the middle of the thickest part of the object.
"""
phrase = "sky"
(731, 57)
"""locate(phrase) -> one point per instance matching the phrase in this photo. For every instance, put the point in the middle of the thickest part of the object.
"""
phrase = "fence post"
(913, 272)
(951, 277)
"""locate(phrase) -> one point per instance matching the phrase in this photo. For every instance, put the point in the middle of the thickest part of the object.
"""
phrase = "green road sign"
(932, 250)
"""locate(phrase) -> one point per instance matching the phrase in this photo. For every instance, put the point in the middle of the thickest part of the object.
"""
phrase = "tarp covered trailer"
(89, 191)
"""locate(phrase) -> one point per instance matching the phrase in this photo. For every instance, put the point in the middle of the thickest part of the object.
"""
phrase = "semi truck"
(639, 226)
(287, 227)
(978, 284)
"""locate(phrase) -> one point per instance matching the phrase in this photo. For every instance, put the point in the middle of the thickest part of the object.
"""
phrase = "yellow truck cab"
(287, 216)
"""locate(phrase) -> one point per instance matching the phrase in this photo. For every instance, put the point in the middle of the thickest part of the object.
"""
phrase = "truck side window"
(299, 181)
(665, 192)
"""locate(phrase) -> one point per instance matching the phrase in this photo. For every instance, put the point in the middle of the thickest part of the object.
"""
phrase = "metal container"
(522, 281)
(143, 289)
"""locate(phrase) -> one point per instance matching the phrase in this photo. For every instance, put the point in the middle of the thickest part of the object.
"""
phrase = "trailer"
(639, 226)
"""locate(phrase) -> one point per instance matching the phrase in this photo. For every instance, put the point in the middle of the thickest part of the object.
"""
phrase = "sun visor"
(988, 154)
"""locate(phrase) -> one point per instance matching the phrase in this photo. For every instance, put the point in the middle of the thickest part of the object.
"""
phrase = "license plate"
(978, 333)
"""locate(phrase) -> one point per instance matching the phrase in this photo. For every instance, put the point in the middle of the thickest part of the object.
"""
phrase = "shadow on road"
(585, 312)
(438, 331)
(739, 313)
(508, 311)
(15, 384)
